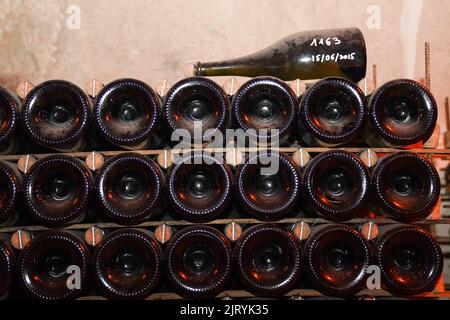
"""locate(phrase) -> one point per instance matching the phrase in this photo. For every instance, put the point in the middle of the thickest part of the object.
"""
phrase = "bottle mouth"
(8, 116)
(9, 191)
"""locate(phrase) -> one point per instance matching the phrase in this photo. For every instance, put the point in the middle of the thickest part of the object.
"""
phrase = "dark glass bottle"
(336, 258)
(196, 100)
(336, 186)
(127, 264)
(401, 112)
(333, 111)
(198, 262)
(304, 55)
(47, 263)
(57, 190)
(127, 113)
(268, 185)
(129, 188)
(406, 186)
(410, 259)
(10, 181)
(262, 105)
(199, 186)
(9, 120)
(55, 115)
(268, 260)
(7, 265)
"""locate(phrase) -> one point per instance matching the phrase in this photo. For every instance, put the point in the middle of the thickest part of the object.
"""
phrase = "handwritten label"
(336, 57)
(325, 42)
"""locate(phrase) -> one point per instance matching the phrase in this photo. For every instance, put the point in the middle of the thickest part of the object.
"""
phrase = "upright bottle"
(127, 264)
(336, 186)
(333, 111)
(47, 263)
(199, 262)
(401, 112)
(406, 186)
(304, 55)
(57, 190)
(199, 186)
(129, 188)
(268, 185)
(127, 114)
(10, 182)
(198, 108)
(336, 258)
(7, 265)
(266, 109)
(268, 260)
(55, 115)
(9, 120)
(410, 259)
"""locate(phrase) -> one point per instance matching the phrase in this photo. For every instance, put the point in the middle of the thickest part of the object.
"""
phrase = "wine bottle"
(268, 185)
(263, 105)
(57, 190)
(127, 264)
(410, 259)
(268, 260)
(199, 262)
(198, 108)
(47, 263)
(199, 186)
(333, 111)
(7, 265)
(304, 55)
(55, 115)
(401, 112)
(406, 186)
(129, 188)
(336, 258)
(127, 114)
(9, 120)
(336, 186)
(10, 183)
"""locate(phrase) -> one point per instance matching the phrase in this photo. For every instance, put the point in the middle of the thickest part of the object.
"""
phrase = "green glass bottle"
(304, 55)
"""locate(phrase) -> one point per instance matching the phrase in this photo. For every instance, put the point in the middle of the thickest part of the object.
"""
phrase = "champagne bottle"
(7, 265)
(262, 105)
(199, 262)
(268, 185)
(268, 260)
(333, 111)
(9, 120)
(401, 112)
(48, 261)
(129, 188)
(406, 186)
(57, 190)
(127, 264)
(10, 183)
(336, 186)
(410, 259)
(127, 113)
(55, 115)
(336, 257)
(304, 55)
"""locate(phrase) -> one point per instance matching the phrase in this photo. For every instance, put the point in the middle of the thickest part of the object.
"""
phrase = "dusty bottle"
(406, 186)
(410, 259)
(401, 112)
(336, 186)
(127, 114)
(57, 190)
(10, 183)
(333, 111)
(198, 262)
(55, 115)
(335, 258)
(268, 185)
(9, 120)
(127, 264)
(199, 186)
(304, 55)
(48, 261)
(268, 260)
(129, 188)
(263, 105)
(7, 265)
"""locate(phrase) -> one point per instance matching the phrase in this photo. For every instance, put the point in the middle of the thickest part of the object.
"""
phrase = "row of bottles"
(129, 114)
(130, 188)
(199, 262)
